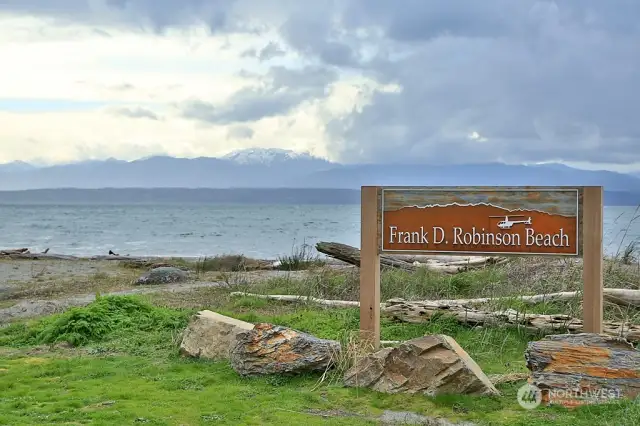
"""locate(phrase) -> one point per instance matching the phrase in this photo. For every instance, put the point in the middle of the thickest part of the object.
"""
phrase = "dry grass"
(58, 287)
(520, 276)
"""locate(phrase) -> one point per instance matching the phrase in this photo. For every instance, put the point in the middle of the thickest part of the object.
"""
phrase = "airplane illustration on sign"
(508, 224)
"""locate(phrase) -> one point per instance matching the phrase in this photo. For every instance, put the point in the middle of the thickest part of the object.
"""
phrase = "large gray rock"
(163, 275)
(429, 365)
(273, 349)
(584, 368)
(210, 335)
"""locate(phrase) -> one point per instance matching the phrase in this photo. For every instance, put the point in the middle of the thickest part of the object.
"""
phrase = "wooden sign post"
(506, 221)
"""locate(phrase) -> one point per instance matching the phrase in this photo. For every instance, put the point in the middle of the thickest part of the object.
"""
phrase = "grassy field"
(123, 365)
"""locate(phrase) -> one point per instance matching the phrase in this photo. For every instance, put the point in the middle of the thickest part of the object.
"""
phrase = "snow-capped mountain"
(267, 156)
(16, 166)
(278, 168)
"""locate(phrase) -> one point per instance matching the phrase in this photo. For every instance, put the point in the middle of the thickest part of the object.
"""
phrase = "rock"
(163, 265)
(577, 369)
(408, 418)
(429, 365)
(210, 335)
(273, 349)
(163, 275)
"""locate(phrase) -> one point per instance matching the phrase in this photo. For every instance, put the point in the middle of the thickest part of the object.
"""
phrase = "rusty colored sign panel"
(485, 220)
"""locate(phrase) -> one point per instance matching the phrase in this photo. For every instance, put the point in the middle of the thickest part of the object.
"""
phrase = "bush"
(95, 322)
(301, 258)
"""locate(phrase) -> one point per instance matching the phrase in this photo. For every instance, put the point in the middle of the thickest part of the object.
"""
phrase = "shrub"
(95, 322)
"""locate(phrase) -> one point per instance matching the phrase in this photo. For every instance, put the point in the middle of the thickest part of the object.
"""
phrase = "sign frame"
(578, 194)
(589, 246)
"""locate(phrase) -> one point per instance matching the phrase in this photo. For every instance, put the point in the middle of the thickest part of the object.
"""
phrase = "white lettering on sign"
(413, 237)
(478, 237)
(547, 240)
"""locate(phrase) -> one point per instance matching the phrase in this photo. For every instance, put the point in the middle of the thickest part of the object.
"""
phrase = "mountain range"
(276, 168)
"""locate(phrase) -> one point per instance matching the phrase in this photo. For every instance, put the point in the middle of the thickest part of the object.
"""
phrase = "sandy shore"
(30, 288)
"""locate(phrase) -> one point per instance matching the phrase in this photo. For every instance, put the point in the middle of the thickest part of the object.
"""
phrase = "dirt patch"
(17, 271)
(79, 281)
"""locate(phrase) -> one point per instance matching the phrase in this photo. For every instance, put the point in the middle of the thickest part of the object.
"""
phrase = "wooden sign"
(481, 221)
(547, 221)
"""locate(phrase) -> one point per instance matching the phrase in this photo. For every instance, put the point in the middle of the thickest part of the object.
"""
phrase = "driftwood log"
(618, 296)
(583, 368)
(294, 298)
(351, 255)
(10, 252)
(423, 311)
(24, 253)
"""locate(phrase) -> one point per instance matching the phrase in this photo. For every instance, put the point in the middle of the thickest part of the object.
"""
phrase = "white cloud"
(101, 89)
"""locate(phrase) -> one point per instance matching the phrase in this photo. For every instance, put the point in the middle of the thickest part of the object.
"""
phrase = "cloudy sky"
(350, 80)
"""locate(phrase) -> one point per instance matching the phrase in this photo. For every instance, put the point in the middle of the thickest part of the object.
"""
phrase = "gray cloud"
(240, 132)
(283, 90)
(156, 15)
(136, 112)
(270, 51)
(537, 80)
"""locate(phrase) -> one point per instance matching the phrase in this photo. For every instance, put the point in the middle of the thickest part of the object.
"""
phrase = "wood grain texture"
(592, 272)
(369, 268)
(418, 312)
(584, 368)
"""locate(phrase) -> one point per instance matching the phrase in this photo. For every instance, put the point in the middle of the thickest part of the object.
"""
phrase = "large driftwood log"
(421, 312)
(295, 298)
(618, 296)
(11, 254)
(351, 255)
(583, 368)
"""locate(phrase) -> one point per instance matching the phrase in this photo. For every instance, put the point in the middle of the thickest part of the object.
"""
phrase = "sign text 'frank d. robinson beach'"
(514, 221)
(487, 221)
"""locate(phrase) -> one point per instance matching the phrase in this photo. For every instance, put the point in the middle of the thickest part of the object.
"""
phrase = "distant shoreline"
(146, 196)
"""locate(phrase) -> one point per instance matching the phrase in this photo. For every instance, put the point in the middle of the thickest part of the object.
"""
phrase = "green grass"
(126, 370)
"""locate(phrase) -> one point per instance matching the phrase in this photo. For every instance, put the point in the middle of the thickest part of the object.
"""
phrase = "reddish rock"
(273, 349)
(577, 369)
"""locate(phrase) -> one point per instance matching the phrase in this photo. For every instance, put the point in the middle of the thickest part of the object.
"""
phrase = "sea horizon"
(263, 231)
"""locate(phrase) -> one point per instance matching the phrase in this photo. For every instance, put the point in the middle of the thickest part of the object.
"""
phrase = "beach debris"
(422, 311)
(618, 296)
(462, 310)
(163, 275)
(9, 252)
(351, 255)
(429, 365)
(585, 368)
(272, 349)
(210, 335)
(113, 254)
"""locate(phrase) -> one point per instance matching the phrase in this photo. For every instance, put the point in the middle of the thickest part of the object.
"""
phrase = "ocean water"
(261, 231)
